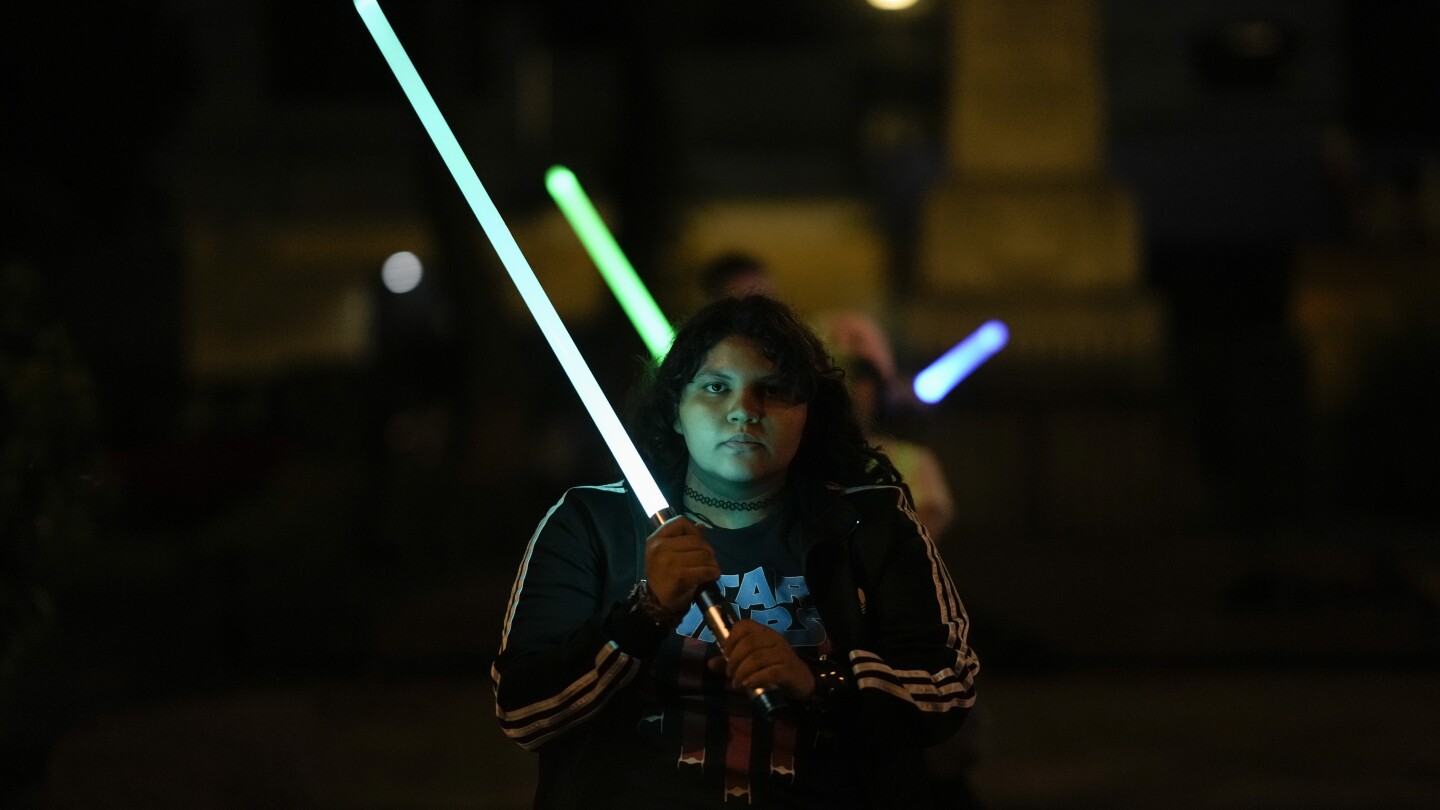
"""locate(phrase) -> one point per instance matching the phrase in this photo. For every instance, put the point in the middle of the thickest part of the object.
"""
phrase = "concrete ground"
(1301, 703)
(1101, 738)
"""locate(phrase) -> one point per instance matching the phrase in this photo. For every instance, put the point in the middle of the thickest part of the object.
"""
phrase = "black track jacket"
(566, 676)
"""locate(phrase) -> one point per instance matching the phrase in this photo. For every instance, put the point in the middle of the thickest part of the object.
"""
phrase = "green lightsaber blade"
(515, 264)
(617, 271)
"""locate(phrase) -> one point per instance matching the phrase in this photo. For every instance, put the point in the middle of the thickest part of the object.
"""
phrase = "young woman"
(608, 670)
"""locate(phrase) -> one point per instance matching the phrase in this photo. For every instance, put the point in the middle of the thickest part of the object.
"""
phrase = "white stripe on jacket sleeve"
(929, 691)
(943, 690)
(533, 724)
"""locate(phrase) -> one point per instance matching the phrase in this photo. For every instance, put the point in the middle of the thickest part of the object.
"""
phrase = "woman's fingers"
(758, 656)
(677, 561)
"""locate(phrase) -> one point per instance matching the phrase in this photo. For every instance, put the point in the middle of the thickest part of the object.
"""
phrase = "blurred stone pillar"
(1026, 226)
(1068, 429)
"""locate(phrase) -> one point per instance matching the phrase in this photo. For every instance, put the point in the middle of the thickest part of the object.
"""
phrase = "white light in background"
(402, 272)
(892, 5)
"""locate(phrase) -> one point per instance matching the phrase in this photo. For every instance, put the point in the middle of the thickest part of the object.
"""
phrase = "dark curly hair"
(832, 447)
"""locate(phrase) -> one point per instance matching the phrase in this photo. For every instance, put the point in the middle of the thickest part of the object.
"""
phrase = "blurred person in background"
(735, 275)
(916, 463)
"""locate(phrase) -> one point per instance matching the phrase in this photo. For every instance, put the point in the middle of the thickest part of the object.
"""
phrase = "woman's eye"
(714, 388)
(779, 393)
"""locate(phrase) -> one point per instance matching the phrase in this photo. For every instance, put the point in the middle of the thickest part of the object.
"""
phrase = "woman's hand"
(677, 561)
(756, 655)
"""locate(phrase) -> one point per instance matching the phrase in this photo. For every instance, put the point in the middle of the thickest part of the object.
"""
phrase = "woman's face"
(742, 430)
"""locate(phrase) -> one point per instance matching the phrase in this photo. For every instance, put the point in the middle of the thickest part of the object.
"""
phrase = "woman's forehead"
(735, 352)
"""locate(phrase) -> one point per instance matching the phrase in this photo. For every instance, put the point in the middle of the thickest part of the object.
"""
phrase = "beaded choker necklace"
(733, 506)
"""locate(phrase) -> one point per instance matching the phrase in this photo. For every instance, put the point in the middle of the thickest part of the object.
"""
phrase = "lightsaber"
(940, 377)
(617, 271)
(718, 613)
(931, 385)
(515, 264)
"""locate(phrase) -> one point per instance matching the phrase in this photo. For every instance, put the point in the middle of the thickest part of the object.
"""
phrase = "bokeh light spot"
(402, 272)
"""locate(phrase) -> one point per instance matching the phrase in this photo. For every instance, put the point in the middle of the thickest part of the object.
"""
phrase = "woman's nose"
(747, 407)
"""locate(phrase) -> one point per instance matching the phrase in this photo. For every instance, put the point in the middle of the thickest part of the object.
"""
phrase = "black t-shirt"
(701, 746)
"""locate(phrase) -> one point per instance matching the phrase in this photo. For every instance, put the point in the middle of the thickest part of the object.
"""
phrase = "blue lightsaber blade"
(940, 377)
(718, 613)
(515, 264)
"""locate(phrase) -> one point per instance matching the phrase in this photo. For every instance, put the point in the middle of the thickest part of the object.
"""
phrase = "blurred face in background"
(749, 282)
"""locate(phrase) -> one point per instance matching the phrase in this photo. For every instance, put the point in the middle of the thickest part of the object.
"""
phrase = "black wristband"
(645, 597)
(633, 628)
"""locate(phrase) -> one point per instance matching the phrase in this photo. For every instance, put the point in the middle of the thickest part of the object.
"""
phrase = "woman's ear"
(677, 427)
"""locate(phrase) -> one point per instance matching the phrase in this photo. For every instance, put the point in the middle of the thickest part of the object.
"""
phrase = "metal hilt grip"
(720, 616)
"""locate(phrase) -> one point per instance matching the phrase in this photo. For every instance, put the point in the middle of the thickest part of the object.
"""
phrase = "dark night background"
(259, 516)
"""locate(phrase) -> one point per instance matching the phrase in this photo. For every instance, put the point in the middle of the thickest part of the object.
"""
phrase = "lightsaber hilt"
(720, 616)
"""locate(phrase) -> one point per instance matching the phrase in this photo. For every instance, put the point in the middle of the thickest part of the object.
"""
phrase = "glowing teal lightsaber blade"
(515, 264)
(617, 271)
(940, 377)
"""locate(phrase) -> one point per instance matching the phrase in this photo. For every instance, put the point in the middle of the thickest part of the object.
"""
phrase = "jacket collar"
(833, 517)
